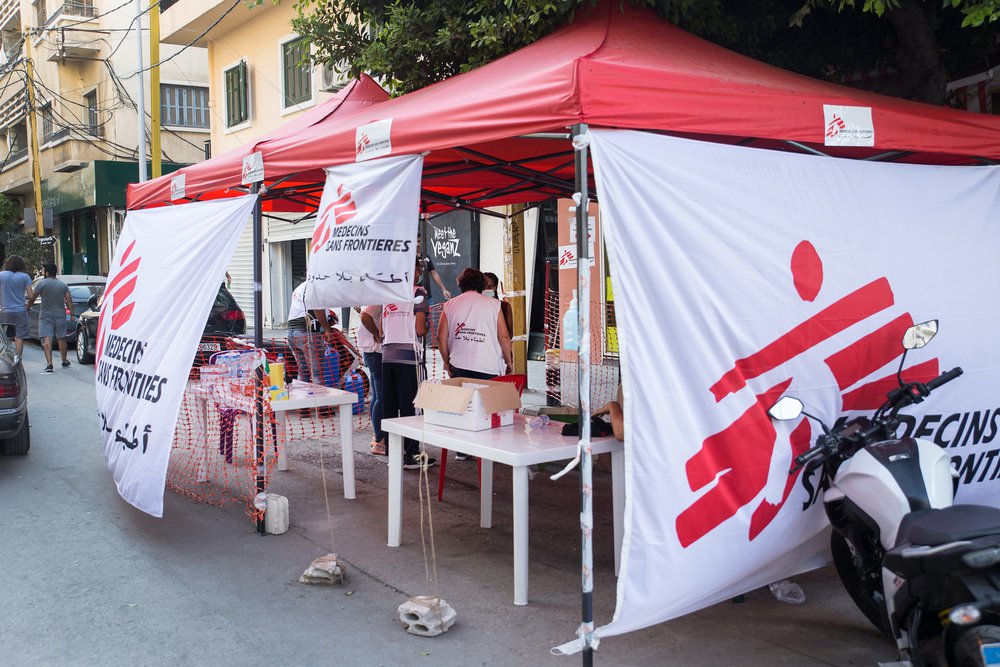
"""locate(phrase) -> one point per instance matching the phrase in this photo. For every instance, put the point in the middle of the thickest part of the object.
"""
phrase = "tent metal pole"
(258, 342)
(582, 199)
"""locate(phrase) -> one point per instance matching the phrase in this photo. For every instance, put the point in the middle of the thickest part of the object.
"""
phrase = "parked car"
(225, 319)
(15, 436)
(81, 288)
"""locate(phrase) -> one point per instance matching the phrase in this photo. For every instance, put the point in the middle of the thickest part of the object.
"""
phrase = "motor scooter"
(922, 569)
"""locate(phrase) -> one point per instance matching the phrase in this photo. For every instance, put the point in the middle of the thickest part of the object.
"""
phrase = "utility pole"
(36, 165)
(141, 98)
(514, 253)
(154, 86)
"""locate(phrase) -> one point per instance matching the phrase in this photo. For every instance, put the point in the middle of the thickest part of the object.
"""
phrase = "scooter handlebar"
(945, 377)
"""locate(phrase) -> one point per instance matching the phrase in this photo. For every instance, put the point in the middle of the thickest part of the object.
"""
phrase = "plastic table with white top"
(301, 395)
(517, 446)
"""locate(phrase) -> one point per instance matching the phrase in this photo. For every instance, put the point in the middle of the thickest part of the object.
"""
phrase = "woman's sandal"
(378, 449)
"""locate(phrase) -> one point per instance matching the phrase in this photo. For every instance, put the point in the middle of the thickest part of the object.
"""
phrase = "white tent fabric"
(771, 273)
(163, 281)
(364, 244)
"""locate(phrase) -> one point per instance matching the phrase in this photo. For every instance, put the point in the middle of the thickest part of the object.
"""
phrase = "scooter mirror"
(919, 335)
(786, 408)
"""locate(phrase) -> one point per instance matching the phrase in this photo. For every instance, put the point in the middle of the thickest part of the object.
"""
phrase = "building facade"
(260, 77)
(78, 61)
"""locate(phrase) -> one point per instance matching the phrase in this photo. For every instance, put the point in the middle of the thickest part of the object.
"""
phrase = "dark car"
(81, 288)
(225, 319)
(15, 437)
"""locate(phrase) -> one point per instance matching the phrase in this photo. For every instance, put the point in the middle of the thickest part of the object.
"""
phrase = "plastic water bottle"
(331, 367)
(538, 421)
(356, 384)
(569, 334)
(788, 592)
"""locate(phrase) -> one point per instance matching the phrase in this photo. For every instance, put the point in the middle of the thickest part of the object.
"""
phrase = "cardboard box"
(471, 405)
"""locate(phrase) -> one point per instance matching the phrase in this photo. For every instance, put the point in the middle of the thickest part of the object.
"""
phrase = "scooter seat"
(950, 524)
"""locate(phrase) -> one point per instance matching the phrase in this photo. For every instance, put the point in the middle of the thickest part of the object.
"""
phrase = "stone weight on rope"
(426, 615)
(325, 570)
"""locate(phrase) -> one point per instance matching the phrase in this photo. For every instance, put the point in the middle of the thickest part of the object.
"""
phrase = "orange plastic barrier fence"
(214, 460)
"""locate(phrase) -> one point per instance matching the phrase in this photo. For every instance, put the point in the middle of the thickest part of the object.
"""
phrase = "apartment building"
(259, 78)
(84, 60)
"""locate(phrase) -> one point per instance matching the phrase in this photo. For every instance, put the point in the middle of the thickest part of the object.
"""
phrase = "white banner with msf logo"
(741, 275)
(364, 244)
(164, 278)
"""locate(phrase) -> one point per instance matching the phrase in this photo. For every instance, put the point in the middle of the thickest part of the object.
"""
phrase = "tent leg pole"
(582, 199)
(258, 342)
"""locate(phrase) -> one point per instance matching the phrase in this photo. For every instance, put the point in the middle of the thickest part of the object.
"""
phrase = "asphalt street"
(88, 580)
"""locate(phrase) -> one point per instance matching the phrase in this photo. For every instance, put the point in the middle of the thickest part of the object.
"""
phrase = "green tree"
(30, 248)
(408, 45)
(9, 212)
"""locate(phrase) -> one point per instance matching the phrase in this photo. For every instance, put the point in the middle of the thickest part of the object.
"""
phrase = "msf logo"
(118, 302)
(738, 459)
(363, 143)
(834, 127)
(335, 213)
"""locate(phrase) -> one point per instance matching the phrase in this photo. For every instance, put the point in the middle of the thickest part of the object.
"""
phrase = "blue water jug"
(331, 367)
(355, 383)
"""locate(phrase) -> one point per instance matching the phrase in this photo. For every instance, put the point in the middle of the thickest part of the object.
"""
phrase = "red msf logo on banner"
(363, 143)
(337, 213)
(117, 297)
(740, 455)
(834, 127)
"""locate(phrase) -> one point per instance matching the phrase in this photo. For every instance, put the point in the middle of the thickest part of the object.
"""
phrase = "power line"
(233, 6)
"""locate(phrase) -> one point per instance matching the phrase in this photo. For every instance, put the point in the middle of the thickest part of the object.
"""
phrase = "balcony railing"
(83, 8)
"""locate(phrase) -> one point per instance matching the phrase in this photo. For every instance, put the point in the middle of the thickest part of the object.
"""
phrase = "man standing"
(429, 272)
(56, 301)
(306, 345)
(15, 286)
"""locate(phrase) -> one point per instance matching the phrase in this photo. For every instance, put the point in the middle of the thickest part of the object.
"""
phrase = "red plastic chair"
(519, 381)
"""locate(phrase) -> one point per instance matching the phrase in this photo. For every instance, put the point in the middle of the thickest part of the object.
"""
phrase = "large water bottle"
(357, 385)
(331, 367)
(569, 333)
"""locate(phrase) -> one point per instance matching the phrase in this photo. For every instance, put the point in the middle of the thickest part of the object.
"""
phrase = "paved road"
(87, 580)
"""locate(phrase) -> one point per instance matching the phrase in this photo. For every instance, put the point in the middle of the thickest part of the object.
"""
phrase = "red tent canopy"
(212, 178)
(613, 67)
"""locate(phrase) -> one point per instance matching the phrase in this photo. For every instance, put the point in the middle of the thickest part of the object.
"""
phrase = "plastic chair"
(519, 381)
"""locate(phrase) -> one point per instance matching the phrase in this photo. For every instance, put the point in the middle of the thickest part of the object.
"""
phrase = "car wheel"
(20, 443)
(83, 354)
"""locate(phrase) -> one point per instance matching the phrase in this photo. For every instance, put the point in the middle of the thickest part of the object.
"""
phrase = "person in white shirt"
(307, 347)
(403, 326)
(472, 333)
(370, 343)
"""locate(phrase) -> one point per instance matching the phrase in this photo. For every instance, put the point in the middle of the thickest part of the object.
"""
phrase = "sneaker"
(48, 369)
(65, 364)
(411, 463)
(459, 456)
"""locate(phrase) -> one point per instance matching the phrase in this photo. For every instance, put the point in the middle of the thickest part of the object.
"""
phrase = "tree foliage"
(408, 45)
(9, 212)
(30, 248)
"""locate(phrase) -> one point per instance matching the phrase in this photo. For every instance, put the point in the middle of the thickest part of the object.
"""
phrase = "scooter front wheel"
(866, 597)
(967, 651)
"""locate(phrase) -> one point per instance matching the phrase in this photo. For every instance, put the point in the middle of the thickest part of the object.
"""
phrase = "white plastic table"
(510, 445)
(301, 395)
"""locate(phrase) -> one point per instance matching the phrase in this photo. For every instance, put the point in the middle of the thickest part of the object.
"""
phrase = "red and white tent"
(500, 134)
(215, 177)
(612, 67)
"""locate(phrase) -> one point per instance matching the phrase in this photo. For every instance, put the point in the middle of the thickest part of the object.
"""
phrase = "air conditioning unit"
(330, 80)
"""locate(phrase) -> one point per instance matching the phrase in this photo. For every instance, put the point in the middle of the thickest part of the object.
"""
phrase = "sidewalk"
(475, 575)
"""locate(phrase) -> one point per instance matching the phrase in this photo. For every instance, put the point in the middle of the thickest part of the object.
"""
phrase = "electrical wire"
(233, 6)
(129, 29)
